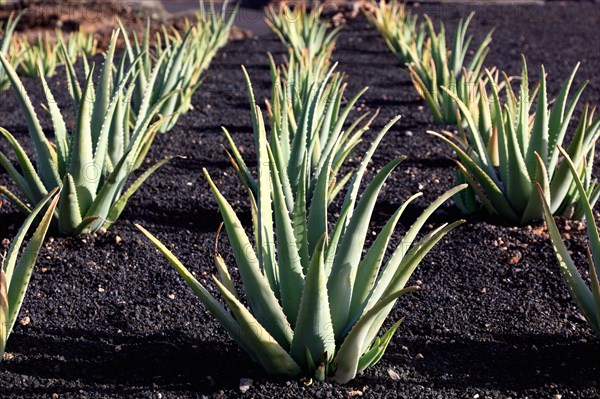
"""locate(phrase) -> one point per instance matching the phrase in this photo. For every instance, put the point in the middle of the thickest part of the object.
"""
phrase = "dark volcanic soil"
(109, 318)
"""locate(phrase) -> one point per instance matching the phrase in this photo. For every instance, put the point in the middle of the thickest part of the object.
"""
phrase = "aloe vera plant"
(526, 152)
(297, 76)
(587, 298)
(307, 107)
(303, 31)
(436, 66)
(7, 47)
(15, 270)
(217, 24)
(183, 60)
(92, 160)
(315, 303)
(39, 58)
(400, 29)
(484, 117)
(79, 44)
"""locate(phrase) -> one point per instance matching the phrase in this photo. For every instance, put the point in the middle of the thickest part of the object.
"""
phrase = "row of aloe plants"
(513, 155)
(505, 145)
(115, 124)
(315, 303)
(78, 181)
(25, 56)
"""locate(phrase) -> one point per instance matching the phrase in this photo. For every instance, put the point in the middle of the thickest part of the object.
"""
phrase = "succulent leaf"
(15, 271)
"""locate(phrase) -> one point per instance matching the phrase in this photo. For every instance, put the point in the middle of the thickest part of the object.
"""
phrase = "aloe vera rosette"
(526, 153)
(315, 304)
(303, 32)
(437, 65)
(92, 159)
(400, 29)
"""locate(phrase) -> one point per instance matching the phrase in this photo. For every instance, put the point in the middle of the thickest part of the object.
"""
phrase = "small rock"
(393, 374)
(354, 393)
(25, 321)
(171, 296)
(418, 356)
(102, 230)
(118, 240)
(8, 356)
(6, 243)
(118, 348)
(245, 384)
(101, 290)
(55, 396)
(409, 133)
(338, 19)
(515, 258)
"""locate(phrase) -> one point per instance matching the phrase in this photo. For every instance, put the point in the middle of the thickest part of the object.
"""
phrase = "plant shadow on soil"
(92, 358)
(171, 360)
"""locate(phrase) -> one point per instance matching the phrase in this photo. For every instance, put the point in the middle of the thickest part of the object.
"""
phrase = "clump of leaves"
(303, 31)
(587, 298)
(306, 107)
(181, 61)
(525, 147)
(92, 157)
(402, 33)
(437, 65)
(15, 270)
(39, 58)
(79, 44)
(8, 47)
(315, 304)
